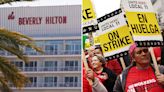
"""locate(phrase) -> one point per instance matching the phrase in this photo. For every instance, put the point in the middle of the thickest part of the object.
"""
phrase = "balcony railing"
(51, 84)
(55, 68)
(63, 52)
(47, 52)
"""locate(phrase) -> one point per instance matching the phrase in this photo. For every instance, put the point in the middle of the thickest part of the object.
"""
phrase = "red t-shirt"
(98, 75)
(157, 52)
(86, 86)
(142, 81)
(114, 66)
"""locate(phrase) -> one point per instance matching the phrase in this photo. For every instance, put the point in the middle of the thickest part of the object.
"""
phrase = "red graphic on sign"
(11, 16)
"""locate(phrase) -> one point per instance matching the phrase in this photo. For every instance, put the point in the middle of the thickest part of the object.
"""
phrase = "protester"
(140, 75)
(98, 50)
(113, 65)
(162, 55)
(97, 86)
(157, 53)
(90, 55)
(91, 51)
(162, 49)
(127, 60)
(106, 76)
(86, 86)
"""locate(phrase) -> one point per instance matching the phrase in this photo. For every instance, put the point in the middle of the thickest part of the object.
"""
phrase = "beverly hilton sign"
(38, 20)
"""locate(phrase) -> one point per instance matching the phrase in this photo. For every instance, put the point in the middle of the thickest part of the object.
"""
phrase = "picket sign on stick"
(86, 67)
(154, 60)
(115, 38)
(122, 63)
(89, 14)
(89, 23)
(149, 35)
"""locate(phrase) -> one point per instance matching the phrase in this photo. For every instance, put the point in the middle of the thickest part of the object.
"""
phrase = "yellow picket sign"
(143, 23)
(96, 41)
(88, 11)
(87, 44)
(96, 38)
(115, 39)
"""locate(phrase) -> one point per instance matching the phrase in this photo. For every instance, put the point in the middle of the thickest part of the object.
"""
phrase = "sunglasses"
(143, 50)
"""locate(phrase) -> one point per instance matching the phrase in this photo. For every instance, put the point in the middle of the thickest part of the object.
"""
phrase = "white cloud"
(103, 7)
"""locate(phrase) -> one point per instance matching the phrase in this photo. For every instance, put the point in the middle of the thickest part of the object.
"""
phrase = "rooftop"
(42, 3)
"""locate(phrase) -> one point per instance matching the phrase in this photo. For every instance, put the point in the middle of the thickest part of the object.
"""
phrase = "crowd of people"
(138, 76)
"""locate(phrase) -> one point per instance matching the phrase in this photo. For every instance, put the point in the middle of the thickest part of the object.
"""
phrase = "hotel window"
(33, 82)
(54, 47)
(71, 81)
(31, 66)
(50, 65)
(18, 64)
(73, 47)
(69, 47)
(77, 66)
(40, 44)
(77, 47)
(30, 51)
(51, 49)
(50, 81)
(71, 65)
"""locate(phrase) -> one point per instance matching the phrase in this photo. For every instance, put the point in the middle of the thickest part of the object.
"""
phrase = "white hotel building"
(57, 29)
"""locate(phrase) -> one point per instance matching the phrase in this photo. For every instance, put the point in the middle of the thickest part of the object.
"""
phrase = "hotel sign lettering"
(38, 20)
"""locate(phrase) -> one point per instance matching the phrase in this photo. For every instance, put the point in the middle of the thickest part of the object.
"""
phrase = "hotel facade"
(57, 30)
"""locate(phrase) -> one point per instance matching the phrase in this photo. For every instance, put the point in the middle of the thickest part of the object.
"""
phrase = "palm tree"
(13, 42)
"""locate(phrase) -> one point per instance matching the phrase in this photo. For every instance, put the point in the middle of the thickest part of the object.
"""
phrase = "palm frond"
(14, 43)
(4, 87)
(19, 39)
(12, 74)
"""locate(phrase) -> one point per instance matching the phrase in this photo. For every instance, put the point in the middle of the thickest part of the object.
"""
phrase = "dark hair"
(99, 50)
(98, 47)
